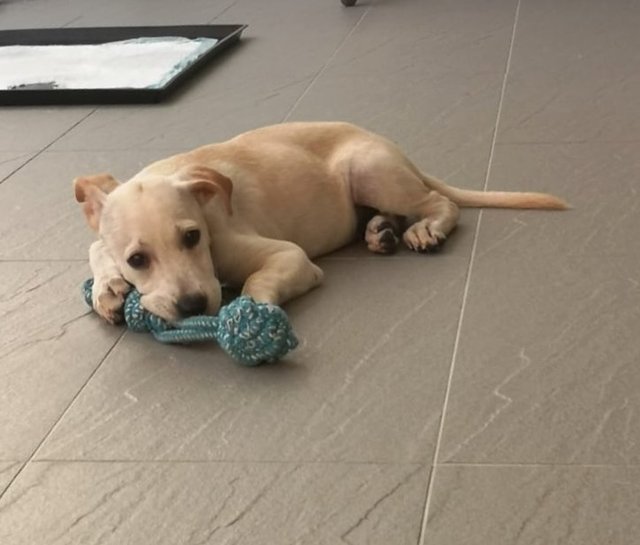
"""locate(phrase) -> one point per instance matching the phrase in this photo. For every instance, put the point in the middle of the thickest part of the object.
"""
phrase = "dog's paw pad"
(424, 238)
(381, 237)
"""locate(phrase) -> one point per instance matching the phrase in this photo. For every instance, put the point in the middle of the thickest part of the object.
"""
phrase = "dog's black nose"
(192, 304)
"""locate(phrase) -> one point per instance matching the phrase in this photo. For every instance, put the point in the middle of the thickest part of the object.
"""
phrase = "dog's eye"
(191, 238)
(138, 260)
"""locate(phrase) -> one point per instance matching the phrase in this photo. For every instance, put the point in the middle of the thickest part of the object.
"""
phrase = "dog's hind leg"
(382, 178)
(109, 287)
(430, 226)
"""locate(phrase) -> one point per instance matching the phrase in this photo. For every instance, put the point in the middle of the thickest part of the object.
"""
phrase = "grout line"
(38, 153)
(325, 66)
(27, 161)
(402, 255)
(72, 21)
(566, 142)
(223, 461)
(62, 415)
(465, 293)
(11, 159)
(531, 464)
(55, 260)
(181, 150)
(386, 463)
(220, 14)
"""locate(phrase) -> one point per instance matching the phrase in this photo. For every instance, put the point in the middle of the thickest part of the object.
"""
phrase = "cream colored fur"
(265, 204)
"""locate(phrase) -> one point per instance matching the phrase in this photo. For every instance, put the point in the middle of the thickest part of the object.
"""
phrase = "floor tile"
(192, 504)
(37, 14)
(574, 73)
(48, 349)
(33, 128)
(67, 13)
(41, 218)
(600, 182)
(148, 12)
(547, 366)
(366, 384)
(535, 505)
(427, 75)
(256, 83)
(7, 472)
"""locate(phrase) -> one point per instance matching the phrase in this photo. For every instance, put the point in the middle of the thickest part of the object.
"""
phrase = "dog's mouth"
(175, 309)
(161, 307)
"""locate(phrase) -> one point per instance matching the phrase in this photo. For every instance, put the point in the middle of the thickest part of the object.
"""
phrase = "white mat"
(135, 64)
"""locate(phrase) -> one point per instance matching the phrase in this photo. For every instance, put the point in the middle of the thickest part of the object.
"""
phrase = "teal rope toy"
(251, 333)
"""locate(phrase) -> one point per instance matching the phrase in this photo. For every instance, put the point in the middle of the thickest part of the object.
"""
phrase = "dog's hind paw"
(424, 237)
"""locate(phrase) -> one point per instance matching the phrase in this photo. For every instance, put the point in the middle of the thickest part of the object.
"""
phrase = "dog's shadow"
(289, 371)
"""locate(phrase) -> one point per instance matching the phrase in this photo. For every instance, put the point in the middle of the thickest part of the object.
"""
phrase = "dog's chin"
(214, 301)
(212, 309)
(164, 308)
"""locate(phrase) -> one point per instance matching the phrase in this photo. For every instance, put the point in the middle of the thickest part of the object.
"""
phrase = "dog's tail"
(495, 199)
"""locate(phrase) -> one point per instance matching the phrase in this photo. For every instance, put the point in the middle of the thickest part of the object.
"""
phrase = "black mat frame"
(226, 35)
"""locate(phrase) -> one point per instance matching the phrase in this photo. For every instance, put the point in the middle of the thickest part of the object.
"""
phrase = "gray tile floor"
(488, 394)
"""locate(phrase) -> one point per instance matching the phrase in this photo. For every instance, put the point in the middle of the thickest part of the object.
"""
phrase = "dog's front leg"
(283, 272)
(109, 287)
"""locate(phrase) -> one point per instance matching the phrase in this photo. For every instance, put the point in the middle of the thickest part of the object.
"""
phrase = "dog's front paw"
(108, 296)
(424, 236)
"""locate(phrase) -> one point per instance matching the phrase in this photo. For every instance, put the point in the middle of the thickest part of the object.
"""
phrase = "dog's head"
(155, 229)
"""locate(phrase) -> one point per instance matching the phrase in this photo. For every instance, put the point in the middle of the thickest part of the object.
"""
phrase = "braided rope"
(250, 332)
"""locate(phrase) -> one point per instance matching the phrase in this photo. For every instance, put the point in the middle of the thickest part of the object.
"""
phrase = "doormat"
(105, 65)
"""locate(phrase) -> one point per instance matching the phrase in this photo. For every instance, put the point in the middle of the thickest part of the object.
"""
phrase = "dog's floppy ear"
(205, 183)
(92, 192)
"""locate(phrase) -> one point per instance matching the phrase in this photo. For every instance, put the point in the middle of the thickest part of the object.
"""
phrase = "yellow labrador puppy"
(255, 210)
